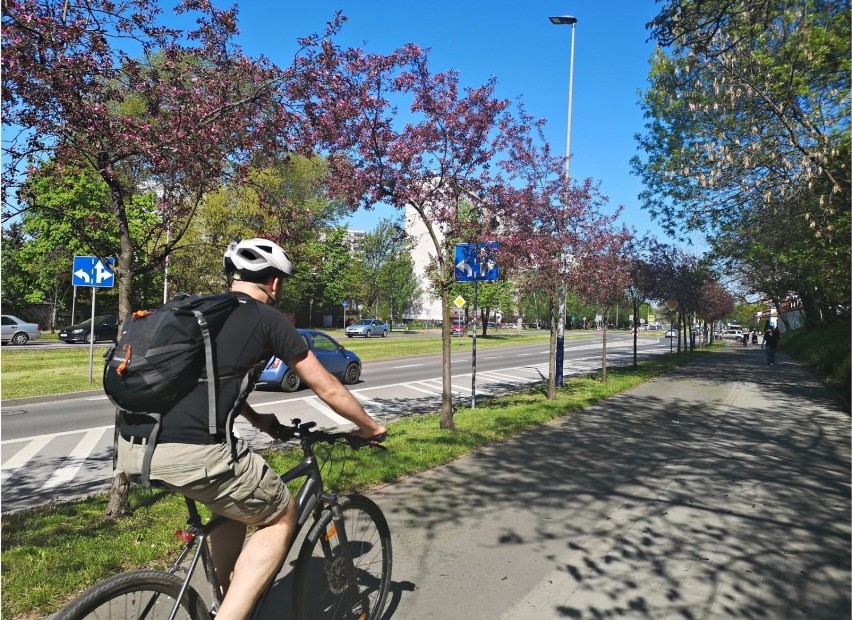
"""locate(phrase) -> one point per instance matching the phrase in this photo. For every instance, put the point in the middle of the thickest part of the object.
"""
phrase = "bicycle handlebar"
(305, 433)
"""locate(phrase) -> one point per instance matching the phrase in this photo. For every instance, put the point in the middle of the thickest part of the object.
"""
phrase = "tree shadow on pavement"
(692, 498)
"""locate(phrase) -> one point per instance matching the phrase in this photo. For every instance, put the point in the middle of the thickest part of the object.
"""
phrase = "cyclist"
(235, 482)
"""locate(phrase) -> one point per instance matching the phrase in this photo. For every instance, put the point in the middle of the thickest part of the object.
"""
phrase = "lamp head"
(563, 20)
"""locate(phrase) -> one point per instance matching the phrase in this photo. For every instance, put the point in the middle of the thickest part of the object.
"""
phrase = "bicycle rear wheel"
(323, 589)
(148, 594)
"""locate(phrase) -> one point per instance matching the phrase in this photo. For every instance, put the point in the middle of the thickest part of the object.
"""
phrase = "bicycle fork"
(337, 527)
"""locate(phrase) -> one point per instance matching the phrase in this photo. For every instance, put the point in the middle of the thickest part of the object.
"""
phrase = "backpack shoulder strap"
(211, 381)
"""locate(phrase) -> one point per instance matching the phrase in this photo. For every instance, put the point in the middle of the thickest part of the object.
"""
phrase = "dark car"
(332, 355)
(106, 328)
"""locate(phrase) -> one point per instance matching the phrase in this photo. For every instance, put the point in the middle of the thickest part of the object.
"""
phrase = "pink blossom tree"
(150, 108)
(553, 224)
(603, 277)
(435, 162)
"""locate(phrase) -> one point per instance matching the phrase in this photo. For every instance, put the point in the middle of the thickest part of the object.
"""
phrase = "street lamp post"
(565, 20)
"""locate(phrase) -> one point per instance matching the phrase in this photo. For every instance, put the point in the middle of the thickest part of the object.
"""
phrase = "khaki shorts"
(248, 490)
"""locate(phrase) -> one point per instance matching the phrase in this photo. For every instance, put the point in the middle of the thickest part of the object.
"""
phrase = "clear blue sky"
(515, 42)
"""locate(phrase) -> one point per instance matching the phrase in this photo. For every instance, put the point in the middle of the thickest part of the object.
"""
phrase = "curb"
(48, 398)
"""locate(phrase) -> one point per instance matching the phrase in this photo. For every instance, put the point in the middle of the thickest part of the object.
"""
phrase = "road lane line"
(22, 456)
(407, 366)
(502, 376)
(419, 389)
(326, 411)
(52, 435)
(362, 397)
(72, 464)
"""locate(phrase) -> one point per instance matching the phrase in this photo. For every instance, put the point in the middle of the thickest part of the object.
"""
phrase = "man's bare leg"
(226, 544)
(257, 565)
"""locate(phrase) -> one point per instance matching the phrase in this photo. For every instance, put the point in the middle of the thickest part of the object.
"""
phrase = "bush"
(826, 351)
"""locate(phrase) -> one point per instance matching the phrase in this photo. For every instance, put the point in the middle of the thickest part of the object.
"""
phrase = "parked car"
(458, 327)
(17, 331)
(332, 355)
(368, 328)
(671, 333)
(106, 328)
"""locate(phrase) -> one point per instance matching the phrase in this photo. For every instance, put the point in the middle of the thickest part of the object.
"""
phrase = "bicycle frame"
(197, 534)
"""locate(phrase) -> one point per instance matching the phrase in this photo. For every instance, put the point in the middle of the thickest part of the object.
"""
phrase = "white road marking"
(75, 460)
(431, 392)
(51, 436)
(407, 366)
(320, 406)
(362, 397)
(22, 456)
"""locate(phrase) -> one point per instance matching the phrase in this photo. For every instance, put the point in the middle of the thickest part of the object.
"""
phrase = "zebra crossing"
(40, 469)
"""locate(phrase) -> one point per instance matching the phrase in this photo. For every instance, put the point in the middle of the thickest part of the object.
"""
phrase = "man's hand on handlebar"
(374, 432)
(266, 422)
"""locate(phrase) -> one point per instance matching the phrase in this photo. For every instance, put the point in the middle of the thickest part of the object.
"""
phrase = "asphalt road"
(62, 449)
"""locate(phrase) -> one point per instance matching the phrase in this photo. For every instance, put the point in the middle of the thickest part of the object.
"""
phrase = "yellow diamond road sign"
(459, 301)
(672, 305)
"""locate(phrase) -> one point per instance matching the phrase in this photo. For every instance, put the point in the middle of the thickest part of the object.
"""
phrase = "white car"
(367, 328)
(672, 333)
(17, 331)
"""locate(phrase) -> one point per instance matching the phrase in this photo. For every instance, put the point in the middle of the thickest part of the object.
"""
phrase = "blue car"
(337, 360)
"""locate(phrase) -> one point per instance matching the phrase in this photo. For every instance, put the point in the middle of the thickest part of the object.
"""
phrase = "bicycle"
(343, 569)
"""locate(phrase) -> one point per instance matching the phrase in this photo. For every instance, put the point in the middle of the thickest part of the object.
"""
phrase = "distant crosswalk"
(76, 463)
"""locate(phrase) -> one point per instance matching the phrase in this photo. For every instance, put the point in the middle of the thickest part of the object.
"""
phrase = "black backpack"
(163, 354)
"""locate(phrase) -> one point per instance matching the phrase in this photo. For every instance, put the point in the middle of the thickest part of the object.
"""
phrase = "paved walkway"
(721, 491)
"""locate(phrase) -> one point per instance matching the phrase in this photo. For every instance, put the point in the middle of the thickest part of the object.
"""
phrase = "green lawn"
(35, 371)
(52, 552)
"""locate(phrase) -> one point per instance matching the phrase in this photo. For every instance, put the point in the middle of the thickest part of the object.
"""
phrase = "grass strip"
(36, 371)
(53, 552)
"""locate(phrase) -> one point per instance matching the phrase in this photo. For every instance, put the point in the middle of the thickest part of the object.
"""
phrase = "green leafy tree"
(15, 273)
(400, 286)
(383, 249)
(748, 137)
(490, 297)
(303, 219)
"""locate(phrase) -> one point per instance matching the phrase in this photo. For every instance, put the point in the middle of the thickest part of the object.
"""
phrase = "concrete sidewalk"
(720, 491)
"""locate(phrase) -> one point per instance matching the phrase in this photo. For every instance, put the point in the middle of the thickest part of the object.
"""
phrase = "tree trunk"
(119, 502)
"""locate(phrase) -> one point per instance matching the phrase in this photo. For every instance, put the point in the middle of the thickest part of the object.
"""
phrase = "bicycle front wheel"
(326, 585)
(148, 594)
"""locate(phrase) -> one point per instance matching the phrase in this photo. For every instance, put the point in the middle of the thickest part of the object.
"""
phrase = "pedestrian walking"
(771, 338)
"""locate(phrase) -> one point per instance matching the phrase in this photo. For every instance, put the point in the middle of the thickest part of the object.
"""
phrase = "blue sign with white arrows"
(91, 271)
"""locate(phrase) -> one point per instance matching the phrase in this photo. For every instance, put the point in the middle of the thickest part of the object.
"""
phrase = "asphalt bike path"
(721, 490)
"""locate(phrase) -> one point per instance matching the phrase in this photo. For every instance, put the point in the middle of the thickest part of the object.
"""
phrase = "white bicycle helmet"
(256, 258)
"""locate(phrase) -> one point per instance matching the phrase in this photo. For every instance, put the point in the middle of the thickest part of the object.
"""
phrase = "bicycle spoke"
(325, 573)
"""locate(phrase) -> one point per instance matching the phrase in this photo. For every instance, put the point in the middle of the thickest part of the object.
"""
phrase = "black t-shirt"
(252, 334)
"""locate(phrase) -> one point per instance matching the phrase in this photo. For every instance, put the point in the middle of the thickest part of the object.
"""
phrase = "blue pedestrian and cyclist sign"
(476, 262)
(91, 271)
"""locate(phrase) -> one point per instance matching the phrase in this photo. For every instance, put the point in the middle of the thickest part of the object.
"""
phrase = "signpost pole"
(90, 271)
(73, 304)
(473, 352)
(92, 336)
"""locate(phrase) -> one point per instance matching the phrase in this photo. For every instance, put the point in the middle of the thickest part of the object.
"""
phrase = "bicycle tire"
(127, 596)
(321, 591)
